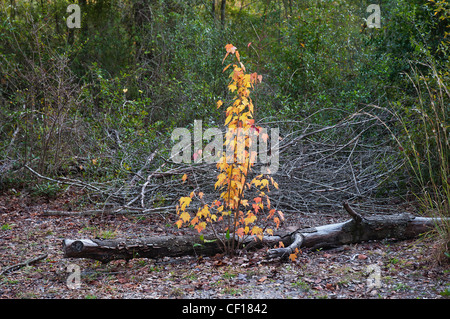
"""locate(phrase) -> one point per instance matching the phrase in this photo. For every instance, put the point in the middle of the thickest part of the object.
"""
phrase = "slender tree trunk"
(213, 9)
(285, 5)
(70, 36)
(142, 15)
(222, 12)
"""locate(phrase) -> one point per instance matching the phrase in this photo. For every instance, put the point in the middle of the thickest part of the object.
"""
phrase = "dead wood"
(23, 264)
(116, 211)
(399, 226)
(151, 247)
(319, 167)
(358, 229)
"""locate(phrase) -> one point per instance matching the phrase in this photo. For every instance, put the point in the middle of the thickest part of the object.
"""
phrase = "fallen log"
(358, 229)
(106, 250)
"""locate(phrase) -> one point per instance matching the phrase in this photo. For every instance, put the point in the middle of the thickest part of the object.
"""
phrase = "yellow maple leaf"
(185, 216)
(184, 178)
(228, 119)
(251, 218)
(227, 213)
(203, 212)
(184, 202)
(255, 181)
(232, 87)
(263, 183)
(256, 230)
(220, 180)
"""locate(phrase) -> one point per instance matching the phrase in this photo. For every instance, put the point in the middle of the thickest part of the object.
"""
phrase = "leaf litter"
(405, 268)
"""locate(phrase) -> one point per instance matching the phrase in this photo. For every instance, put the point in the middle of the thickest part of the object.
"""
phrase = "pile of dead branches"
(319, 167)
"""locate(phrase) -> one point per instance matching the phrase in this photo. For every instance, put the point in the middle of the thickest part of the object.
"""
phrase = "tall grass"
(427, 148)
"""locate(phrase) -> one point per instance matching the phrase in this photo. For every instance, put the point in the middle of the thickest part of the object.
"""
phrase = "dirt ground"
(387, 269)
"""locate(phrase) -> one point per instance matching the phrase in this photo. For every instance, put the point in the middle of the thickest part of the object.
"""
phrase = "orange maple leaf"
(277, 221)
(292, 257)
(240, 232)
(230, 48)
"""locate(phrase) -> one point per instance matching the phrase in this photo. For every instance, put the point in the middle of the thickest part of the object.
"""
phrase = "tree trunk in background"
(142, 15)
(222, 12)
(213, 9)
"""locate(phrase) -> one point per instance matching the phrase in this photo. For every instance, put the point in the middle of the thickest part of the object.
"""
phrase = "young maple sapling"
(232, 211)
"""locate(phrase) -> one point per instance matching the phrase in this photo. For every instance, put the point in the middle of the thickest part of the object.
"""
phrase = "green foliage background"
(94, 102)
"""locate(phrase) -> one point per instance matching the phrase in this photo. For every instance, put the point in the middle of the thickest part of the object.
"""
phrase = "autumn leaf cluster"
(238, 214)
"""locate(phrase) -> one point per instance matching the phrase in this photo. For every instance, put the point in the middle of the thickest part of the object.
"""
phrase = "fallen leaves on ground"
(405, 267)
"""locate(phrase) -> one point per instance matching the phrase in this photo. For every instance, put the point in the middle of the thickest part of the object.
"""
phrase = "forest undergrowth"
(362, 115)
